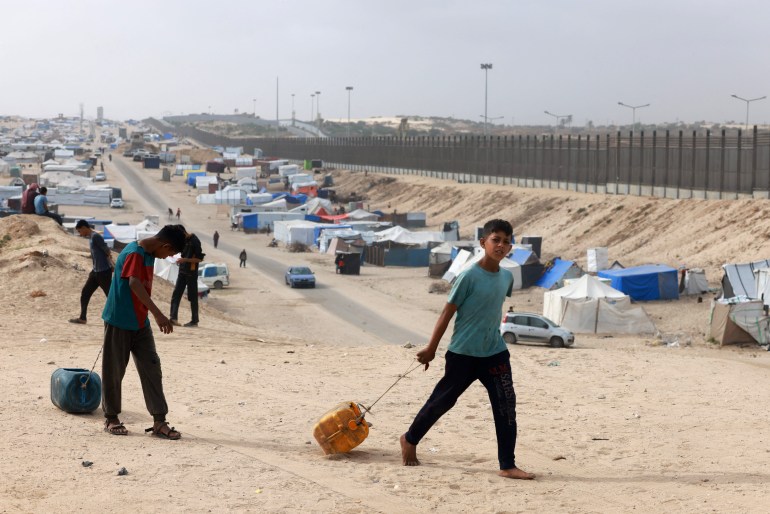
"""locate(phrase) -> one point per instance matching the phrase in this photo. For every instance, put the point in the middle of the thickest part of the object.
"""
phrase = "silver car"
(524, 326)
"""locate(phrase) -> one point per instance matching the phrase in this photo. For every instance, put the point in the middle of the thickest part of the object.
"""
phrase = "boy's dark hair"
(497, 226)
(43, 190)
(175, 235)
(82, 223)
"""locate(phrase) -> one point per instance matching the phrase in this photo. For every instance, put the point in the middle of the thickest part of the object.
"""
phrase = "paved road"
(326, 297)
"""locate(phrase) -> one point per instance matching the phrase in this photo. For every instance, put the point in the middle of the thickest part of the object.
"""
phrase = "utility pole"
(292, 110)
(748, 101)
(633, 108)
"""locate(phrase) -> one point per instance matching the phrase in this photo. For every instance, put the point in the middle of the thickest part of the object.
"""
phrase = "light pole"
(318, 109)
(748, 101)
(292, 109)
(255, 106)
(633, 115)
(557, 116)
(312, 107)
(209, 110)
(349, 89)
(486, 67)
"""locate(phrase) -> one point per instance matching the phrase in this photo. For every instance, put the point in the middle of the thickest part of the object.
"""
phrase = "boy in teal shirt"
(476, 352)
(127, 330)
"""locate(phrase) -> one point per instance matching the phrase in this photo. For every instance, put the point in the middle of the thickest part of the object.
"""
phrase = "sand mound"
(637, 230)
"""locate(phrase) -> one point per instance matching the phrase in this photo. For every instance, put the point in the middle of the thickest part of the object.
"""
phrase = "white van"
(214, 275)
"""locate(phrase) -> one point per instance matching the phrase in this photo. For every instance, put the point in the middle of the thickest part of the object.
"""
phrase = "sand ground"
(616, 424)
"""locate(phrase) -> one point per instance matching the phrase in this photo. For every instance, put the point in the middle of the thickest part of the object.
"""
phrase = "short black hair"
(82, 223)
(497, 225)
(43, 190)
(175, 235)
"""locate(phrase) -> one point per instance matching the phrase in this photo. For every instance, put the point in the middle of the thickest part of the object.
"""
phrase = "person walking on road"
(101, 273)
(178, 213)
(216, 238)
(242, 256)
(192, 255)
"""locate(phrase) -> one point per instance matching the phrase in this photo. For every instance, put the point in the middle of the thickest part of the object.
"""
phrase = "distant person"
(242, 257)
(109, 156)
(216, 238)
(41, 206)
(101, 271)
(476, 352)
(127, 330)
(178, 213)
(192, 255)
(170, 213)
(101, 166)
(28, 199)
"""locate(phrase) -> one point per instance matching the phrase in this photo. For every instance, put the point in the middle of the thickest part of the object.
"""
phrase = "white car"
(100, 177)
(117, 203)
(524, 326)
(214, 275)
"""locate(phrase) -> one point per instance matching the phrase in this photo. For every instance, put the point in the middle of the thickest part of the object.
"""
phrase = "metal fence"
(675, 165)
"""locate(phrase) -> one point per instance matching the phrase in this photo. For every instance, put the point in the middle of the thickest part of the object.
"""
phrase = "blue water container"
(72, 390)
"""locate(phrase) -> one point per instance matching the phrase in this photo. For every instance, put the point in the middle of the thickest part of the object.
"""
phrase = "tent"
(736, 322)
(738, 279)
(465, 260)
(295, 231)
(693, 282)
(559, 270)
(643, 283)
(762, 283)
(588, 305)
(531, 269)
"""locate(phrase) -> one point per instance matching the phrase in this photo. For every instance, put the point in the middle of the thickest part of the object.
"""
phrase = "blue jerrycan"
(75, 390)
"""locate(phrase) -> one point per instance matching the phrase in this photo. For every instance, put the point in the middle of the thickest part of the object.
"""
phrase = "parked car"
(128, 153)
(139, 155)
(100, 177)
(214, 275)
(117, 203)
(299, 276)
(524, 326)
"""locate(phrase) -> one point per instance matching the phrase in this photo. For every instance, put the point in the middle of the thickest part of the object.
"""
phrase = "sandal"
(115, 427)
(78, 321)
(169, 432)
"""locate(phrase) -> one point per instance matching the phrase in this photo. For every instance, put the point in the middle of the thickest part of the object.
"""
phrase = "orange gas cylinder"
(341, 429)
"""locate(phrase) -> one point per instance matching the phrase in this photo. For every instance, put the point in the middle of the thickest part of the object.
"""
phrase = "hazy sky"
(141, 58)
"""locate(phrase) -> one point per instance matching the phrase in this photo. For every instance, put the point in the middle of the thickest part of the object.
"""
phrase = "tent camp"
(531, 269)
(644, 283)
(737, 322)
(589, 306)
(738, 279)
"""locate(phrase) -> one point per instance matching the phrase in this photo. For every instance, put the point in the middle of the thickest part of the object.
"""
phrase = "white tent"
(401, 235)
(590, 306)
(362, 215)
(695, 282)
(168, 270)
(464, 260)
(296, 231)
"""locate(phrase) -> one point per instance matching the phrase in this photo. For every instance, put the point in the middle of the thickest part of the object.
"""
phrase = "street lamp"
(748, 101)
(557, 116)
(255, 106)
(312, 107)
(486, 67)
(633, 109)
(318, 109)
(349, 89)
(292, 109)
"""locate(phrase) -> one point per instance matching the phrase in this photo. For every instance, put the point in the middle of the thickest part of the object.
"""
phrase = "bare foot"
(516, 473)
(408, 452)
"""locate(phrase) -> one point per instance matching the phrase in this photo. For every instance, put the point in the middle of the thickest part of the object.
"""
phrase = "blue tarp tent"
(557, 273)
(250, 221)
(643, 283)
(192, 176)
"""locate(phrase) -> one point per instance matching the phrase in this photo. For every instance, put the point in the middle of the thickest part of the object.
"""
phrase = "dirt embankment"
(637, 230)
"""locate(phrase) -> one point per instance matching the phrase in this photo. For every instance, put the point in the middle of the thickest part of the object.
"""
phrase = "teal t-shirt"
(479, 296)
(123, 309)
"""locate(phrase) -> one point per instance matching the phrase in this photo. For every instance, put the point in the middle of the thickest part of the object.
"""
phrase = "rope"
(409, 370)
(85, 384)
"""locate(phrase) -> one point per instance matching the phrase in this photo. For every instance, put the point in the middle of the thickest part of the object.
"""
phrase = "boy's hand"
(426, 355)
(164, 323)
